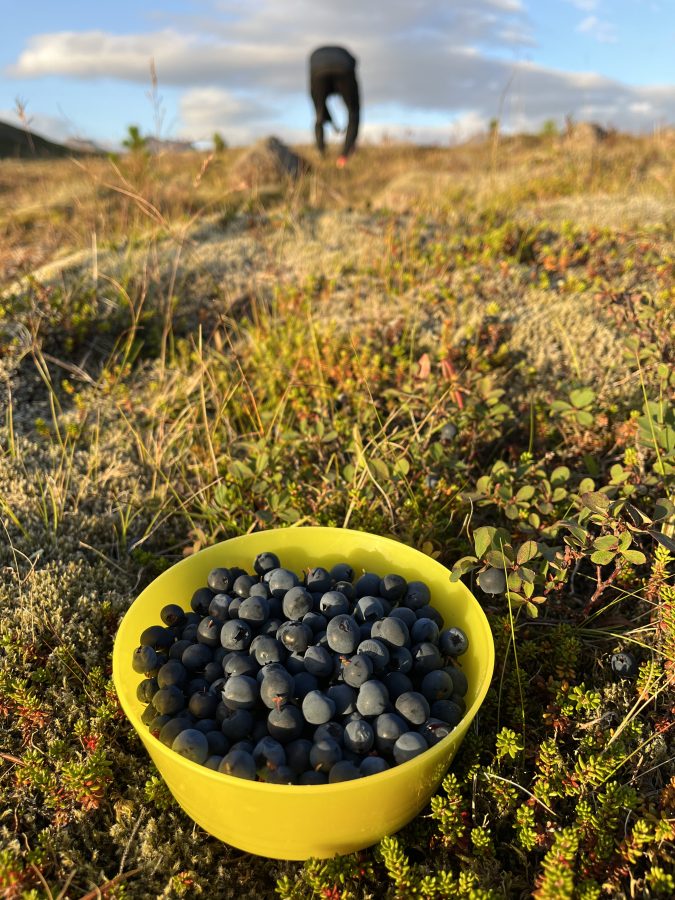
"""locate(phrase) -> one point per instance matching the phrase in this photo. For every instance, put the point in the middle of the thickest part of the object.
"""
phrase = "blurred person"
(332, 70)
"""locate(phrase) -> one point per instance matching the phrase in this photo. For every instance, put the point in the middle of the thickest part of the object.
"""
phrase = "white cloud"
(243, 69)
(603, 32)
(209, 109)
(585, 5)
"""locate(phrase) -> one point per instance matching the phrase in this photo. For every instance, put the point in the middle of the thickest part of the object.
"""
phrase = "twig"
(601, 588)
(13, 759)
(64, 889)
(41, 878)
(104, 888)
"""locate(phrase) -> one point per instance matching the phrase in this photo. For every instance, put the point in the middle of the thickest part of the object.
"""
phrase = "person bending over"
(332, 70)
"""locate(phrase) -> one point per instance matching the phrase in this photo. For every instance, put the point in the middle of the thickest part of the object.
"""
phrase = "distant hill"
(20, 142)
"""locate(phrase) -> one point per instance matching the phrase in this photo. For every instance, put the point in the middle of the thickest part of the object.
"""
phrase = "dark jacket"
(332, 70)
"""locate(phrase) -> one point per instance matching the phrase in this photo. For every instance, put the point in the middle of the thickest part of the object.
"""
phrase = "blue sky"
(429, 70)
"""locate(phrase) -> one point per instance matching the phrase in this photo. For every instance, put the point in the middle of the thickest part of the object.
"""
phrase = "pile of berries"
(302, 681)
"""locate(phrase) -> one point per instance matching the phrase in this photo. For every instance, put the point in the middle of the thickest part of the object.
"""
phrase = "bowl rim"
(394, 773)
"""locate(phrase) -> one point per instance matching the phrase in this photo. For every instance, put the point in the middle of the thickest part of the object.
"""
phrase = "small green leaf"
(602, 557)
(401, 466)
(606, 542)
(532, 610)
(526, 492)
(586, 485)
(511, 511)
(596, 501)
(482, 539)
(578, 532)
(483, 484)
(496, 559)
(528, 575)
(625, 541)
(582, 397)
(559, 494)
(526, 552)
(663, 509)
(528, 589)
(635, 556)
(560, 475)
(462, 566)
(379, 469)
(618, 474)
(348, 472)
(513, 581)
(585, 418)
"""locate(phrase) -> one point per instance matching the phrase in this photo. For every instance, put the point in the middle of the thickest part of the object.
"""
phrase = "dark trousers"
(322, 85)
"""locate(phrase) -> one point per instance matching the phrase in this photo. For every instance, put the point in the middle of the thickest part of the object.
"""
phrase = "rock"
(268, 162)
(586, 134)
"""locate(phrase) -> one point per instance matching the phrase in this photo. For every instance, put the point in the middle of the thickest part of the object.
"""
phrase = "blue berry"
(373, 765)
(172, 614)
(492, 581)
(367, 585)
(266, 562)
(424, 630)
(343, 770)
(236, 634)
(144, 660)
(417, 595)
(169, 700)
(453, 642)
(413, 707)
(297, 603)
(239, 764)
(241, 692)
(356, 670)
(392, 631)
(285, 723)
(377, 651)
(219, 580)
(342, 633)
(372, 699)
(319, 580)
(408, 746)
(388, 728)
(201, 599)
(393, 587)
(319, 662)
(192, 745)
(344, 698)
(342, 572)
(171, 729)
(359, 736)
(281, 580)
(624, 664)
(368, 609)
(447, 711)
(324, 754)
(437, 685)
(317, 708)
(333, 603)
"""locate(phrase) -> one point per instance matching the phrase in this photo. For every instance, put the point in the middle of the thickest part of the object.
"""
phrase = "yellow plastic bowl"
(296, 822)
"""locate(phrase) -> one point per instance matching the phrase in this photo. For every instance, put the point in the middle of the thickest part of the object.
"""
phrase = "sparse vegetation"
(477, 360)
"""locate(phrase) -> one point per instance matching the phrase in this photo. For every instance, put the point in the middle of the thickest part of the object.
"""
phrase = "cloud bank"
(243, 66)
